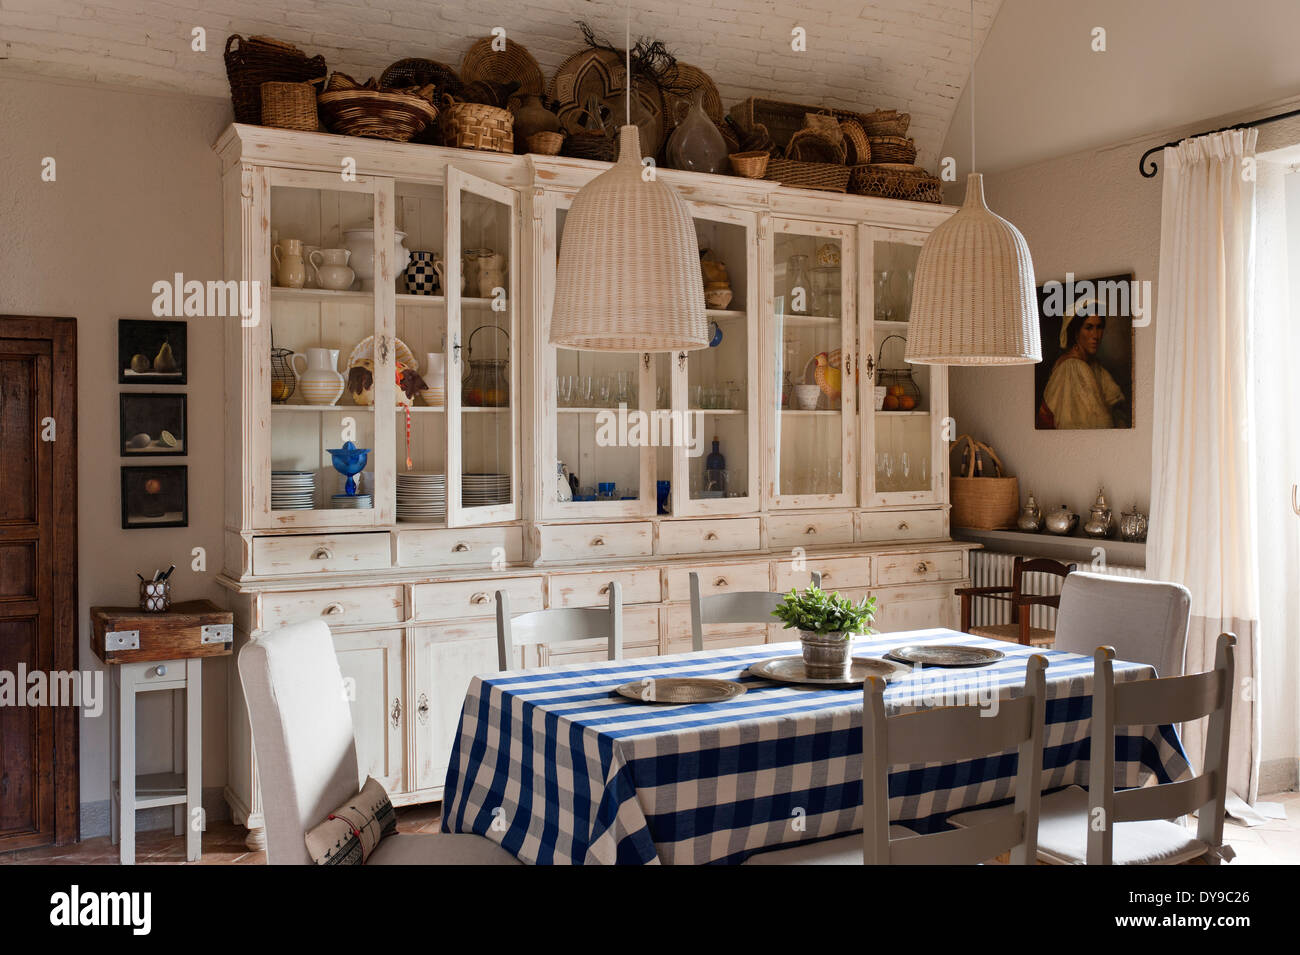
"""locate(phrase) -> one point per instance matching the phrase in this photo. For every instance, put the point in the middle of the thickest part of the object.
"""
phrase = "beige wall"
(136, 199)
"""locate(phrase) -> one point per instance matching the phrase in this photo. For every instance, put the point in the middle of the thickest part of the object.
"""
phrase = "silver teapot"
(1133, 525)
(1031, 518)
(1100, 523)
(1062, 521)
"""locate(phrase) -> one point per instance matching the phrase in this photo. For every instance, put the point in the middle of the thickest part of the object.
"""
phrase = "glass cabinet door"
(597, 453)
(482, 274)
(904, 403)
(715, 390)
(326, 363)
(810, 383)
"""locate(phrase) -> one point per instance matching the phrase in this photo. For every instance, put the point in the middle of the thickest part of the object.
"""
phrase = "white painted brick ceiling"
(905, 54)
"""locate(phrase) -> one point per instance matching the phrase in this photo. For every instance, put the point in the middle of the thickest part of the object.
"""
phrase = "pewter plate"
(945, 655)
(680, 690)
(793, 670)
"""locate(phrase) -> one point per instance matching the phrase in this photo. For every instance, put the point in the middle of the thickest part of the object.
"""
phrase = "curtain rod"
(1146, 156)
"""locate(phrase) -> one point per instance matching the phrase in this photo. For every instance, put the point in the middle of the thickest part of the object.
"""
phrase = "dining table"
(558, 768)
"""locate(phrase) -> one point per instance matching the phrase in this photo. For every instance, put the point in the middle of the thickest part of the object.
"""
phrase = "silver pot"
(1031, 518)
(826, 655)
(1099, 523)
(1062, 521)
(1133, 525)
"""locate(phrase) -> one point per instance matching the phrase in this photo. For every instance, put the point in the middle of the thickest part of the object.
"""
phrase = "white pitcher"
(435, 379)
(319, 381)
(291, 272)
(331, 269)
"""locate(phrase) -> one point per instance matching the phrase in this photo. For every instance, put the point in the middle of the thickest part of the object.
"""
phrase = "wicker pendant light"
(973, 299)
(629, 279)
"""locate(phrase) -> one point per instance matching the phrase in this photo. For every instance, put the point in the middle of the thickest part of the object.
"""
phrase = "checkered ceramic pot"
(421, 279)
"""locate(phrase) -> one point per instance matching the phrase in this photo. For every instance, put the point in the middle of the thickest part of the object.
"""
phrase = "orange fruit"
(891, 403)
(907, 402)
(898, 390)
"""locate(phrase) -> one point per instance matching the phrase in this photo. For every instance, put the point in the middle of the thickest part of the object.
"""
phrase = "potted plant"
(827, 624)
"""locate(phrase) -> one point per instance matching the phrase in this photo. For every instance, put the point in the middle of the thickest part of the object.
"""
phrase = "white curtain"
(1204, 520)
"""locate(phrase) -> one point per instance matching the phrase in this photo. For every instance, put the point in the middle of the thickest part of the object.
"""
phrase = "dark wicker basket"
(826, 176)
(896, 181)
(892, 149)
(259, 60)
(415, 71)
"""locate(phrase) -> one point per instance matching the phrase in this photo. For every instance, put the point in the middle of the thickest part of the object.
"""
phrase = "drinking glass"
(884, 308)
(564, 390)
(586, 391)
(623, 388)
(603, 391)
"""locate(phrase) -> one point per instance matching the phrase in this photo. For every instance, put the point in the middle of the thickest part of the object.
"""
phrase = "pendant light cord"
(972, 85)
(627, 40)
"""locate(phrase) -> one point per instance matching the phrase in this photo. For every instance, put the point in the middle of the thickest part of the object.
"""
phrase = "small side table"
(150, 652)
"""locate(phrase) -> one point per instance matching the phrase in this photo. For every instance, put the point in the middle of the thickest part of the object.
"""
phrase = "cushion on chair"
(352, 832)
(1038, 636)
(1063, 833)
(440, 848)
(1144, 620)
(844, 850)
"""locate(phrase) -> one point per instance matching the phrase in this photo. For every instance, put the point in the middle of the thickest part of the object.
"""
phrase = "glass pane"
(901, 397)
(487, 441)
(599, 455)
(322, 326)
(809, 304)
(421, 447)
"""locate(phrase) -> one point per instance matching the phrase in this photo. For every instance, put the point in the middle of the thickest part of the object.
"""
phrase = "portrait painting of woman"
(1086, 380)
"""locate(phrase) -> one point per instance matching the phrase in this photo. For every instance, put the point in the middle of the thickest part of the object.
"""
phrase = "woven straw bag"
(477, 126)
(983, 503)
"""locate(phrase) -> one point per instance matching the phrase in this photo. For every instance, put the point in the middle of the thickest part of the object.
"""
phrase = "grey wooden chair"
(1099, 826)
(1144, 620)
(749, 606)
(559, 625)
(943, 735)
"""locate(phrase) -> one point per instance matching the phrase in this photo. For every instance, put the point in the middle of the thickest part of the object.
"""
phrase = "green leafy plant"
(819, 612)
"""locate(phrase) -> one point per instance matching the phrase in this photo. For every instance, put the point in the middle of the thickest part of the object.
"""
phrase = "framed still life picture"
(155, 497)
(151, 352)
(1085, 380)
(151, 423)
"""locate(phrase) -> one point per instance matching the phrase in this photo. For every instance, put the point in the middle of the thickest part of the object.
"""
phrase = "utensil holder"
(155, 595)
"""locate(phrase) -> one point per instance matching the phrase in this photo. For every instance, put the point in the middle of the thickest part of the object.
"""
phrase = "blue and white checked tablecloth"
(557, 769)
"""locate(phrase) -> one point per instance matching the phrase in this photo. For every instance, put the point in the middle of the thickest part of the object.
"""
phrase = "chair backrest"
(302, 734)
(1175, 699)
(560, 625)
(1144, 620)
(946, 735)
(1035, 565)
(749, 606)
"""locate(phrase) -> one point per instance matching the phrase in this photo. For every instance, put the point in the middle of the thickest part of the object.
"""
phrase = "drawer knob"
(720, 582)
(422, 709)
(160, 669)
(395, 717)
(479, 598)
(710, 536)
(810, 529)
(598, 542)
(460, 548)
(603, 591)
(922, 568)
(322, 553)
(334, 609)
(903, 526)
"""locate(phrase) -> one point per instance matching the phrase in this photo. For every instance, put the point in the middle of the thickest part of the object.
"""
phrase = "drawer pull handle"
(460, 548)
(922, 568)
(903, 526)
(810, 529)
(479, 598)
(422, 710)
(322, 553)
(603, 591)
(160, 669)
(720, 582)
(395, 717)
(710, 536)
(334, 610)
(598, 542)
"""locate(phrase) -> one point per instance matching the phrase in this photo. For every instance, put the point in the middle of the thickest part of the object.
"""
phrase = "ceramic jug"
(490, 269)
(331, 269)
(311, 280)
(435, 380)
(361, 243)
(290, 270)
(421, 279)
(696, 143)
(441, 268)
(533, 117)
(319, 380)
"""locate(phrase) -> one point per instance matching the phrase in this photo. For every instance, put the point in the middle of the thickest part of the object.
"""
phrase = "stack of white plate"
(293, 490)
(353, 501)
(480, 489)
(421, 496)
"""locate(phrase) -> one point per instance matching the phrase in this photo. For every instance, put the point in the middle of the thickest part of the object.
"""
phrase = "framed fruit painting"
(155, 497)
(151, 352)
(152, 423)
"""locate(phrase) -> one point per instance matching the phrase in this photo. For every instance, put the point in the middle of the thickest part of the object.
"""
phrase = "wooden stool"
(149, 652)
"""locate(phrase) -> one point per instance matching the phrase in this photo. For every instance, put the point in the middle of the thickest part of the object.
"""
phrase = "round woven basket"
(892, 149)
(414, 71)
(289, 106)
(810, 145)
(590, 145)
(751, 165)
(857, 149)
(545, 143)
(378, 114)
(885, 122)
(514, 64)
(477, 126)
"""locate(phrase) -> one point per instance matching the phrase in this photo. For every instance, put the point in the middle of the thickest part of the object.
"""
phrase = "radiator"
(994, 570)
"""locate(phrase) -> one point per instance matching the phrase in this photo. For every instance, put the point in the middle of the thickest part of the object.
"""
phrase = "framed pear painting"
(151, 352)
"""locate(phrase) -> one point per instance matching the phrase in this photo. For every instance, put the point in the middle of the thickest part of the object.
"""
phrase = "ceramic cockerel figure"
(827, 374)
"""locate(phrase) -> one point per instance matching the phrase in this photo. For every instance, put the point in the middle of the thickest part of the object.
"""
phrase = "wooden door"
(38, 576)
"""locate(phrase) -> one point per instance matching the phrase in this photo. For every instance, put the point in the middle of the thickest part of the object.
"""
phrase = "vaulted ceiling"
(910, 55)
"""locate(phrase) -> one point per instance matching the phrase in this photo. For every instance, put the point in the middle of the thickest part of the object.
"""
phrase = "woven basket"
(782, 119)
(810, 145)
(983, 503)
(546, 143)
(377, 114)
(289, 106)
(751, 165)
(857, 150)
(259, 60)
(808, 175)
(892, 149)
(590, 145)
(895, 181)
(514, 64)
(477, 126)
(885, 122)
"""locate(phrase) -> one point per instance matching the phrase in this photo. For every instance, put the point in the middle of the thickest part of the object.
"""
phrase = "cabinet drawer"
(837, 573)
(809, 530)
(914, 568)
(915, 608)
(592, 589)
(678, 632)
(587, 541)
(707, 537)
(902, 525)
(320, 553)
(460, 547)
(339, 608)
(474, 598)
(640, 639)
(717, 579)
